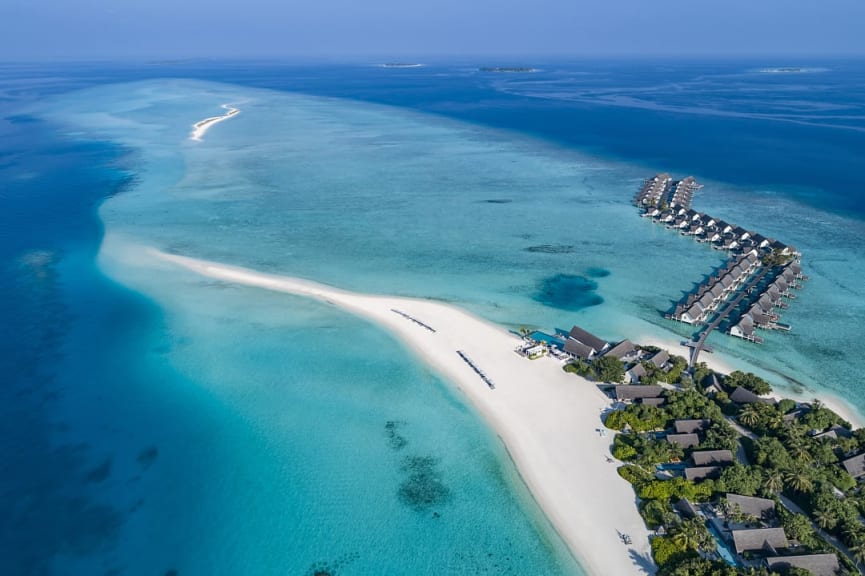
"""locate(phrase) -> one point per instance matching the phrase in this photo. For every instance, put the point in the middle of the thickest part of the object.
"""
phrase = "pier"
(754, 258)
(700, 343)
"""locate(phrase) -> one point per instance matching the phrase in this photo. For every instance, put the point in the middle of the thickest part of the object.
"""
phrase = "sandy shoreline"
(200, 128)
(546, 418)
(718, 363)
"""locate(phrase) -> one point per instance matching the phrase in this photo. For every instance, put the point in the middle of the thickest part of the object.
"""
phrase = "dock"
(700, 343)
(760, 271)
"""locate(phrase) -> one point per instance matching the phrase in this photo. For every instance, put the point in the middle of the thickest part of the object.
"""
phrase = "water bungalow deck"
(668, 202)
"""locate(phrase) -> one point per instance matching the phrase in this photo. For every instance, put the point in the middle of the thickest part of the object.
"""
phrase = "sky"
(136, 29)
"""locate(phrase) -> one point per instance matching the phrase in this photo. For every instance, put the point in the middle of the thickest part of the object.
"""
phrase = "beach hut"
(632, 392)
(768, 539)
(744, 396)
(697, 473)
(816, 564)
(684, 440)
(583, 344)
(712, 457)
(623, 349)
(855, 466)
(636, 372)
(762, 508)
(691, 426)
(660, 359)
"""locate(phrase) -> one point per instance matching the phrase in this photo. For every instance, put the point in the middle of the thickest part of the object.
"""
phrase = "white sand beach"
(547, 419)
(200, 128)
(720, 364)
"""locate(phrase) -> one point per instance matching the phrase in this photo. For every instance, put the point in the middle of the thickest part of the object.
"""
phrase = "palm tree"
(774, 481)
(825, 519)
(797, 448)
(857, 549)
(687, 537)
(799, 480)
(750, 415)
(692, 535)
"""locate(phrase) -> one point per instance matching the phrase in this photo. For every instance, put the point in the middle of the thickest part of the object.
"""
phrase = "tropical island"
(783, 70)
(731, 480)
(522, 69)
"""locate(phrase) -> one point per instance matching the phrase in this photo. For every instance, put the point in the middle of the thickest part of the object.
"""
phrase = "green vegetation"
(673, 374)
(786, 458)
(748, 381)
(604, 369)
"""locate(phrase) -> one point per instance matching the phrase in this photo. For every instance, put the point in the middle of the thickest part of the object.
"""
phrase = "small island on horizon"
(521, 69)
(400, 65)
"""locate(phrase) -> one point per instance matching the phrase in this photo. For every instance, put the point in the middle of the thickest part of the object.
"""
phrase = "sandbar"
(548, 420)
(202, 126)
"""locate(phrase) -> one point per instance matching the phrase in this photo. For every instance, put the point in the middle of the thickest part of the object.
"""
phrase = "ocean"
(158, 423)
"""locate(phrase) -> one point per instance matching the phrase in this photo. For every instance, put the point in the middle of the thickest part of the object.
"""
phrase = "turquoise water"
(213, 429)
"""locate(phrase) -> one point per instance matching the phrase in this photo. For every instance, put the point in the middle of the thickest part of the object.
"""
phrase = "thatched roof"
(578, 349)
(759, 539)
(702, 472)
(660, 358)
(750, 505)
(855, 466)
(816, 564)
(742, 395)
(587, 339)
(711, 457)
(633, 391)
(621, 349)
(684, 440)
(691, 426)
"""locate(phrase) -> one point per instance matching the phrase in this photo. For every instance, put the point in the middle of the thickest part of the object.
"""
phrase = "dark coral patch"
(396, 440)
(423, 486)
(597, 272)
(551, 249)
(568, 292)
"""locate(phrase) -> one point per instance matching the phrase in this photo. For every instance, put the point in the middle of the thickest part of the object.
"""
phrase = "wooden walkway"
(700, 338)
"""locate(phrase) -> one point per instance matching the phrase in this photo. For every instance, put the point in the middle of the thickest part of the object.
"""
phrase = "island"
(783, 70)
(521, 69)
(400, 65)
(731, 480)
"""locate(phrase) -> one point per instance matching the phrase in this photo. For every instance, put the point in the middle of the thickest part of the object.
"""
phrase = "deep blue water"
(62, 496)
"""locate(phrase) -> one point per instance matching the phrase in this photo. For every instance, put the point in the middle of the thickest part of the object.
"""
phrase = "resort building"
(761, 508)
(741, 395)
(691, 426)
(855, 466)
(582, 344)
(629, 392)
(635, 373)
(702, 472)
(760, 539)
(816, 564)
(684, 440)
(660, 359)
(622, 351)
(712, 457)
